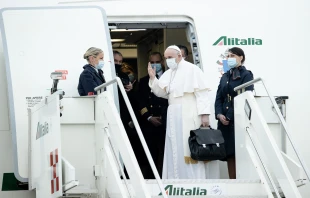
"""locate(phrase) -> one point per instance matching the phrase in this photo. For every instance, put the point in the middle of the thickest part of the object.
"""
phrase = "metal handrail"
(119, 164)
(243, 86)
(138, 129)
(280, 116)
(265, 168)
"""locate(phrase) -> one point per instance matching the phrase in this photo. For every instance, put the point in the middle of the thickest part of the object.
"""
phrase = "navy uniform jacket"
(149, 104)
(224, 103)
(89, 79)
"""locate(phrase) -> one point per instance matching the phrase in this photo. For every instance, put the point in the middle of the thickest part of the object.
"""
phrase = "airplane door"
(38, 41)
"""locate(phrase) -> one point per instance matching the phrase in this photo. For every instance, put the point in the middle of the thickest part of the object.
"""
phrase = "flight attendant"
(92, 76)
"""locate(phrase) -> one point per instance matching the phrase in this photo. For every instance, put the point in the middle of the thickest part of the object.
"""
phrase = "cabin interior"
(137, 41)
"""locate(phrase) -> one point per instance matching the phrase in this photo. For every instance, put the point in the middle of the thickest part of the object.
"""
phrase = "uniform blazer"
(149, 104)
(89, 79)
(224, 102)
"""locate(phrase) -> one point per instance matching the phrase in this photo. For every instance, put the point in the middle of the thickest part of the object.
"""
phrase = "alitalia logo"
(224, 40)
(170, 190)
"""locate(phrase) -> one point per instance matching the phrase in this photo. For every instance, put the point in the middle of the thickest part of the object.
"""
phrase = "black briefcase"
(206, 144)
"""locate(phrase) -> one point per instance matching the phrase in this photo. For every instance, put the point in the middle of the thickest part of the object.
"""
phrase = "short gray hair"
(93, 51)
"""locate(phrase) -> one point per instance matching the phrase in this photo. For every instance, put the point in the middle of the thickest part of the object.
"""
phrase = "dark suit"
(125, 116)
(224, 103)
(151, 105)
(89, 79)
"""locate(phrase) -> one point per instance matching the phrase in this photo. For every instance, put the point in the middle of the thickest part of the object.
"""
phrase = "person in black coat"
(127, 75)
(153, 112)
(184, 51)
(224, 103)
(92, 76)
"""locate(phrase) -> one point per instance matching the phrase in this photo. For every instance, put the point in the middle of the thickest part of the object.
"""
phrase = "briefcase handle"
(201, 127)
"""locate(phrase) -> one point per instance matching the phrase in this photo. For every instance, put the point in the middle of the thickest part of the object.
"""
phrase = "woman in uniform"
(224, 103)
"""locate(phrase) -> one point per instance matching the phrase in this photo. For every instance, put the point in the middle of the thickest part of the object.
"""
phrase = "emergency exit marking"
(54, 171)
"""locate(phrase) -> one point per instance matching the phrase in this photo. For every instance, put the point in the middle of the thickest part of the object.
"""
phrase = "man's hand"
(205, 122)
(156, 121)
(151, 71)
(223, 119)
(129, 86)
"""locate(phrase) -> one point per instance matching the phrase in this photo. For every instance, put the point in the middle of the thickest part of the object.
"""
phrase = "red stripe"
(54, 171)
(52, 186)
(51, 159)
(57, 184)
(56, 153)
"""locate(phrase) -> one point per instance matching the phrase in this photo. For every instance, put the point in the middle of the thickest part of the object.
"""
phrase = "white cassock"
(187, 92)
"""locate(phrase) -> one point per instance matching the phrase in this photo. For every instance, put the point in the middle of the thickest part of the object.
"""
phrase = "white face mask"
(100, 64)
(171, 63)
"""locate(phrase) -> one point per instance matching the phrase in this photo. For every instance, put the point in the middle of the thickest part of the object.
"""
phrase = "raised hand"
(151, 71)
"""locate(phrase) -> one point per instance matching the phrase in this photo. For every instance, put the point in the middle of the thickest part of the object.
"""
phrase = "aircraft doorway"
(139, 40)
(136, 42)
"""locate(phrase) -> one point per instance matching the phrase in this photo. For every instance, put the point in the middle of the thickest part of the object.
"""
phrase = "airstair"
(94, 140)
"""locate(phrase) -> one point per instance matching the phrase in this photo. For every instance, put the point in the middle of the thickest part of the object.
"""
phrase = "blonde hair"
(127, 69)
(93, 51)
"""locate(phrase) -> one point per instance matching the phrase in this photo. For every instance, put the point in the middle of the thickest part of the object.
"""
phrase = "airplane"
(38, 38)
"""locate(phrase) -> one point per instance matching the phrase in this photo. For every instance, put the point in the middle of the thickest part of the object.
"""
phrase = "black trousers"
(155, 139)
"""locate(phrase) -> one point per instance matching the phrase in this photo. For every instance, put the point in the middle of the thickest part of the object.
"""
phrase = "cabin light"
(127, 30)
(117, 40)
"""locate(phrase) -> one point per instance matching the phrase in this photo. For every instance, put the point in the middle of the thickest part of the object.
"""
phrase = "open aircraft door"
(38, 41)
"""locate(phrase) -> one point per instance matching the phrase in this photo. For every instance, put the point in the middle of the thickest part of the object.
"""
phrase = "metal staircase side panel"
(253, 122)
(232, 196)
(260, 170)
(108, 119)
(209, 187)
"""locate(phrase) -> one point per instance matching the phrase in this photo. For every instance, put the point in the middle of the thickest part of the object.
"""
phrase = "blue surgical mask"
(232, 62)
(157, 66)
(100, 65)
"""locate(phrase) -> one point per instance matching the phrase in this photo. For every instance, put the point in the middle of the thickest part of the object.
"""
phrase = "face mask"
(232, 62)
(171, 63)
(157, 66)
(100, 65)
(117, 68)
(131, 77)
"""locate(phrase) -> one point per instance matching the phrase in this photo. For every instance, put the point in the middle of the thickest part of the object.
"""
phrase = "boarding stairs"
(263, 169)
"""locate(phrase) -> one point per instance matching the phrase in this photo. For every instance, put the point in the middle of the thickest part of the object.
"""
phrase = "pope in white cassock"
(185, 87)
